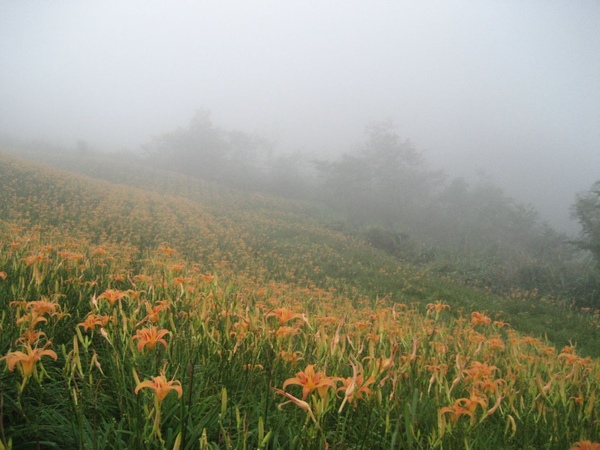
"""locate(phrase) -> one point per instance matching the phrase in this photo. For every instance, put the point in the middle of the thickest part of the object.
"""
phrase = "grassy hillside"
(269, 225)
(244, 303)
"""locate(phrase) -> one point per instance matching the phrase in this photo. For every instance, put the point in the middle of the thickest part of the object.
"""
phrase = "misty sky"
(508, 87)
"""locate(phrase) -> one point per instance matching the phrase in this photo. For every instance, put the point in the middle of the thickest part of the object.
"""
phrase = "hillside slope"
(279, 238)
(179, 314)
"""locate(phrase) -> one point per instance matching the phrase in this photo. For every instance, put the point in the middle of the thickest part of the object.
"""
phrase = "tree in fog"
(203, 150)
(481, 217)
(198, 150)
(386, 181)
(587, 211)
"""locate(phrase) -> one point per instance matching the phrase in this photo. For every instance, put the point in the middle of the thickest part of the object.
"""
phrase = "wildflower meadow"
(193, 318)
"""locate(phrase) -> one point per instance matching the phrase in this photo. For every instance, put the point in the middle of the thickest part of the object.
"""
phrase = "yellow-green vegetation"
(181, 316)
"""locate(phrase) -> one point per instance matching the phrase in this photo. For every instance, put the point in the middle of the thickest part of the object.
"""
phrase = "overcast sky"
(511, 88)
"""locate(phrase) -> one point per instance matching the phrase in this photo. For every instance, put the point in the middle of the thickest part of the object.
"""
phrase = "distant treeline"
(386, 191)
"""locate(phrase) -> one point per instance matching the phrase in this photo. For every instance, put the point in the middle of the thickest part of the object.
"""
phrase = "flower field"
(190, 319)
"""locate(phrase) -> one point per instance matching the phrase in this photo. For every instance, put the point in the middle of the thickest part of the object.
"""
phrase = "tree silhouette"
(587, 211)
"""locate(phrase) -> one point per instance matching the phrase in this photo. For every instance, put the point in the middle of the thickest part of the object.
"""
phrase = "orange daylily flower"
(283, 332)
(161, 387)
(177, 267)
(577, 400)
(383, 364)
(118, 277)
(31, 336)
(134, 294)
(437, 368)
(361, 325)
(31, 319)
(154, 311)
(168, 251)
(586, 445)
(284, 315)
(71, 256)
(534, 342)
(20, 304)
(100, 251)
(438, 307)
(568, 349)
(570, 358)
(142, 278)
(291, 357)
(26, 360)
(207, 278)
(489, 386)
(479, 319)
(44, 306)
(328, 321)
(112, 295)
(478, 371)
(92, 321)
(33, 259)
(311, 380)
(457, 411)
(150, 337)
(373, 337)
(355, 386)
(496, 344)
(472, 402)
(180, 281)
